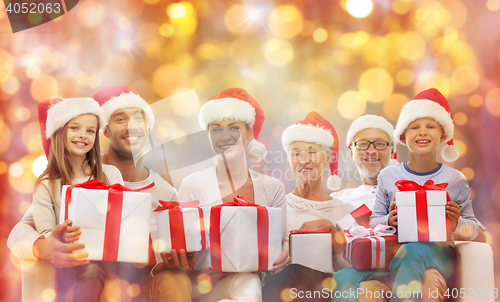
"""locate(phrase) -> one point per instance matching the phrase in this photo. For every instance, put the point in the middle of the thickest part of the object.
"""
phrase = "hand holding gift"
(393, 214)
(453, 213)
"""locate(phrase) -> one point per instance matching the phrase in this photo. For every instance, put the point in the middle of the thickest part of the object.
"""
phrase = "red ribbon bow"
(114, 212)
(408, 185)
(262, 232)
(421, 204)
(167, 205)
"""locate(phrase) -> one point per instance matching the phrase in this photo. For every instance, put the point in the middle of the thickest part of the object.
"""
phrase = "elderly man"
(128, 121)
(370, 139)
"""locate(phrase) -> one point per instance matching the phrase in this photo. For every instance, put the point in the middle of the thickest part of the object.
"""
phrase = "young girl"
(72, 126)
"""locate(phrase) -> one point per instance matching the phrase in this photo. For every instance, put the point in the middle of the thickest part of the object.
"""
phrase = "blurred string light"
(475, 100)
(493, 5)
(359, 8)
(351, 105)
(492, 101)
(286, 21)
(39, 165)
(183, 17)
(320, 35)
(16, 170)
(460, 118)
(376, 85)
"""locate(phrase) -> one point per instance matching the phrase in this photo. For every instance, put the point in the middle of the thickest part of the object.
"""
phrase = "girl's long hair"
(59, 165)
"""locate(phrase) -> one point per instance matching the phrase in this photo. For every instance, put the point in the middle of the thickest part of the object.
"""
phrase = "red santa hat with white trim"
(112, 98)
(432, 104)
(238, 104)
(370, 121)
(54, 113)
(316, 129)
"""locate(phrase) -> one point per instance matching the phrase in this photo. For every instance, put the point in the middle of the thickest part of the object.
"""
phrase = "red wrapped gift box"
(360, 216)
(367, 248)
(182, 226)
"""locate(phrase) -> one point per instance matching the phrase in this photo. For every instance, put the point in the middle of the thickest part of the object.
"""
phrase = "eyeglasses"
(378, 145)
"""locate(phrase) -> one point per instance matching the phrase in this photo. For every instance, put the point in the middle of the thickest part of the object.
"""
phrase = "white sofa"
(475, 275)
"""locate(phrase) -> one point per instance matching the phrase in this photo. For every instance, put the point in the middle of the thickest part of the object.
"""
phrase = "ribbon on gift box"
(114, 212)
(176, 222)
(376, 236)
(262, 232)
(421, 204)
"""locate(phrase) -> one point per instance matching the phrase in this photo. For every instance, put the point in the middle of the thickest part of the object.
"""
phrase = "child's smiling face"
(423, 135)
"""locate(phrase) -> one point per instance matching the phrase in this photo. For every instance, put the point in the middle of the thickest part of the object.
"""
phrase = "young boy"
(424, 124)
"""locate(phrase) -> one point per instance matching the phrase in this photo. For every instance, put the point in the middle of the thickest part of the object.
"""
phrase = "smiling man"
(128, 122)
(370, 140)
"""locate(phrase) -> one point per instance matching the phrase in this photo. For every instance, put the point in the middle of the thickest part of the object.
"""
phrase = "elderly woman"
(312, 146)
(232, 118)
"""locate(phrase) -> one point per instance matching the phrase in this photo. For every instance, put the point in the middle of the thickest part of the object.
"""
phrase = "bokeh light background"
(341, 58)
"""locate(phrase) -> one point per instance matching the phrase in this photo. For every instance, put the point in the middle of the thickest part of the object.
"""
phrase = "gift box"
(244, 237)
(360, 216)
(113, 219)
(422, 212)
(312, 249)
(367, 248)
(182, 226)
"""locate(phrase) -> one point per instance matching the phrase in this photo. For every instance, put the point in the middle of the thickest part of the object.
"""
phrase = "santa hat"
(112, 98)
(316, 129)
(432, 104)
(54, 113)
(370, 121)
(238, 104)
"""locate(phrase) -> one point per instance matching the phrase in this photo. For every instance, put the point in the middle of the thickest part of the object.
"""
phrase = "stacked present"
(360, 216)
(367, 248)
(182, 226)
(422, 211)
(113, 219)
(244, 237)
(318, 258)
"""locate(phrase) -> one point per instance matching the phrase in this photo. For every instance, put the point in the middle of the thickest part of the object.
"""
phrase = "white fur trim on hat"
(450, 153)
(61, 113)
(369, 122)
(256, 151)
(420, 108)
(334, 182)
(220, 109)
(306, 133)
(127, 100)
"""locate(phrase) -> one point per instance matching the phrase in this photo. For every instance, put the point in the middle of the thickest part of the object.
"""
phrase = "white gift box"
(239, 248)
(190, 223)
(360, 216)
(88, 209)
(433, 226)
(313, 250)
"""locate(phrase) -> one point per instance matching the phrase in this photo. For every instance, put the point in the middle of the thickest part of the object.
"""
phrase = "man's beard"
(370, 173)
(123, 155)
